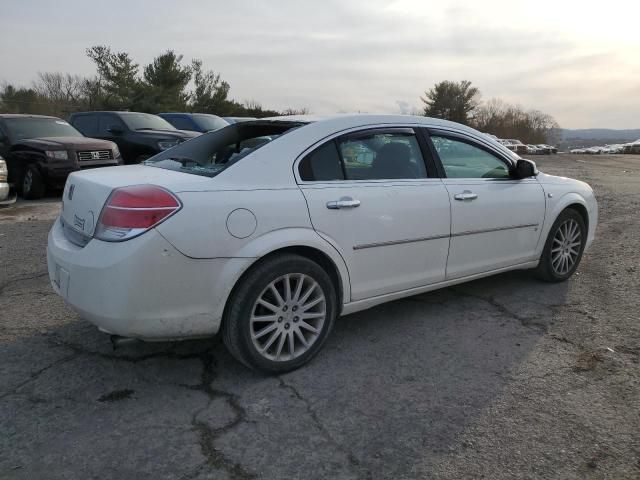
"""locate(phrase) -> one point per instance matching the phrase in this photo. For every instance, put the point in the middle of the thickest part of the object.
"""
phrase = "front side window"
(463, 160)
(35, 127)
(109, 121)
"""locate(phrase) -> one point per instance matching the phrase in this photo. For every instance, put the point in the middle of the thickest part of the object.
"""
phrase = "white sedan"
(268, 230)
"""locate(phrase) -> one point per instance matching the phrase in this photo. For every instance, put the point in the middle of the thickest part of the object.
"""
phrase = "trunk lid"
(86, 192)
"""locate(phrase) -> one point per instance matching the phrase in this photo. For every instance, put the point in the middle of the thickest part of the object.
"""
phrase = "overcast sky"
(579, 61)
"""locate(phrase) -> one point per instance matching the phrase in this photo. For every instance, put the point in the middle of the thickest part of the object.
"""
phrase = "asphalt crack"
(4, 286)
(528, 322)
(35, 375)
(208, 435)
(354, 462)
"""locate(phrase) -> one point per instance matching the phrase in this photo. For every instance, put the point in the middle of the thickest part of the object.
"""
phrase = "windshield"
(145, 121)
(209, 122)
(33, 127)
(211, 153)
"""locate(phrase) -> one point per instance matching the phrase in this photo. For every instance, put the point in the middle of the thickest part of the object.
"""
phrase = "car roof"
(187, 113)
(111, 111)
(24, 115)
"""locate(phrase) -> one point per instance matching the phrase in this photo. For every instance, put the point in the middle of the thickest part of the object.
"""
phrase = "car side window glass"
(181, 123)
(86, 124)
(322, 165)
(382, 156)
(108, 121)
(463, 160)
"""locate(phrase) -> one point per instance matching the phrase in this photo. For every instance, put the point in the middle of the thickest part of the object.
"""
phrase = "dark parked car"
(196, 122)
(42, 151)
(231, 120)
(138, 135)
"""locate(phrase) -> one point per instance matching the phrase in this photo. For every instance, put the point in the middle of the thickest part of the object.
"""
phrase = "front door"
(370, 196)
(495, 220)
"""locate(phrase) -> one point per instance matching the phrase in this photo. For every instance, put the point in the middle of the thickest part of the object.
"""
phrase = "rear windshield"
(145, 121)
(211, 153)
(21, 128)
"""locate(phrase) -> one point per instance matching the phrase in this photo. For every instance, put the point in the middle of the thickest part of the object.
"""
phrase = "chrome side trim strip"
(398, 242)
(512, 227)
(436, 237)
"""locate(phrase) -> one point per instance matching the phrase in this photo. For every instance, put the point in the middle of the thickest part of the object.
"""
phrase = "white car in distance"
(268, 230)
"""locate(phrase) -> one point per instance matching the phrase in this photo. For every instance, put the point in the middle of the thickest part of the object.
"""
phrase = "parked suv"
(196, 122)
(42, 151)
(138, 135)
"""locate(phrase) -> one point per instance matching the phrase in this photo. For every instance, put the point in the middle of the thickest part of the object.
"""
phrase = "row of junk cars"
(632, 147)
(520, 148)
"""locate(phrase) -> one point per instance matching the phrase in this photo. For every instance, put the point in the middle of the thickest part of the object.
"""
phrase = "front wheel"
(32, 184)
(563, 249)
(281, 314)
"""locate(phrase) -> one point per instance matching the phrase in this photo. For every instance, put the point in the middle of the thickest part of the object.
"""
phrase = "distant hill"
(589, 137)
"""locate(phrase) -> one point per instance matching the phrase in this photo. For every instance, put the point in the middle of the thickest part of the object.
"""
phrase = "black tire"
(32, 185)
(545, 270)
(236, 324)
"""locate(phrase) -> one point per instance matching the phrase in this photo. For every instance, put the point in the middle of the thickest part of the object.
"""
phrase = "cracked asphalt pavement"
(504, 377)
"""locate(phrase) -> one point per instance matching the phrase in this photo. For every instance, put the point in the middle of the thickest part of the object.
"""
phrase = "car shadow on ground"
(388, 397)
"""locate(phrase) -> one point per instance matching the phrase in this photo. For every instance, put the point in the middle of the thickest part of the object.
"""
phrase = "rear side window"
(381, 156)
(87, 124)
(322, 165)
(368, 155)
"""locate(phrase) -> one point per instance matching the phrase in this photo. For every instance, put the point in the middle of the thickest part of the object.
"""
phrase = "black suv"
(138, 135)
(41, 151)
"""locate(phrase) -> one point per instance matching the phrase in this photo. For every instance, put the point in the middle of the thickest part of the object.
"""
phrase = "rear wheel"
(563, 249)
(281, 314)
(32, 183)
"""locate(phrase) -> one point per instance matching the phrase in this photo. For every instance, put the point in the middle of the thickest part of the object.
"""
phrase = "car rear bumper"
(142, 288)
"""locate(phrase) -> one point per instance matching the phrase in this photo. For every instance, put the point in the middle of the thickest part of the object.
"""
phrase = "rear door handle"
(466, 195)
(344, 202)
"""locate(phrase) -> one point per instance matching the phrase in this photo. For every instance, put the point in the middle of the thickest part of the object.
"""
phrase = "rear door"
(369, 195)
(495, 220)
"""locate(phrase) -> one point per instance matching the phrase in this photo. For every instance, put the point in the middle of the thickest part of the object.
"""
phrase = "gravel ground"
(500, 378)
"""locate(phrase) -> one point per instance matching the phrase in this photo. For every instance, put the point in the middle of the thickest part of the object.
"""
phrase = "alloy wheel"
(288, 316)
(566, 246)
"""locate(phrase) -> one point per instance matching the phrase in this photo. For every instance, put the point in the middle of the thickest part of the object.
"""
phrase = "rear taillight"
(131, 211)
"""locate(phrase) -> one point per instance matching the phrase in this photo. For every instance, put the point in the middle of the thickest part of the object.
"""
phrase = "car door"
(496, 220)
(369, 194)
(112, 128)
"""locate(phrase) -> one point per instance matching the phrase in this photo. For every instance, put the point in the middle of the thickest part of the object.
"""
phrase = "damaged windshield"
(209, 154)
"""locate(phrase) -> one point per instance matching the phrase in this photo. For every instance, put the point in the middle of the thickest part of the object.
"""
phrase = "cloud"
(361, 55)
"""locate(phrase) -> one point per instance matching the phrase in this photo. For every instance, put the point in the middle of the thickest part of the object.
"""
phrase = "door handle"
(466, 195)
(344, 202)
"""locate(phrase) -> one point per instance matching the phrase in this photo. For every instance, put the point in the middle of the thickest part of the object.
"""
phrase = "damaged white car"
(268, 230)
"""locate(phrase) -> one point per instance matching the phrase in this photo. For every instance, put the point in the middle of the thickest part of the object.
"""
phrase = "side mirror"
(525, 169)
(115, 129)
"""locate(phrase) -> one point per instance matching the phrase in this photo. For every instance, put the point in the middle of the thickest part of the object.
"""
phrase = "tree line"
(165, 84)
(169, 84)
(460, 102)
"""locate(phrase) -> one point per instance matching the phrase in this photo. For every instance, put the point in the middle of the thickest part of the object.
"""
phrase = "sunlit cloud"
(574, 61)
